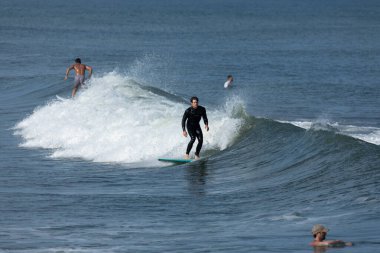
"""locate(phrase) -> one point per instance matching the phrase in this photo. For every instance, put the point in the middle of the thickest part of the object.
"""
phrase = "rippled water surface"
(293, 143)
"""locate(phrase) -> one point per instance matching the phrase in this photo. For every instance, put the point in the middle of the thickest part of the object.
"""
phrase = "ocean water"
(293, 143)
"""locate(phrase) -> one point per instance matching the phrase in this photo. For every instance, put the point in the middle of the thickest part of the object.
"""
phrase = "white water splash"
(116, 120)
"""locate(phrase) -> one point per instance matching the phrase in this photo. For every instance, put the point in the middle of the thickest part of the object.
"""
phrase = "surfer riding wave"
(193, 116)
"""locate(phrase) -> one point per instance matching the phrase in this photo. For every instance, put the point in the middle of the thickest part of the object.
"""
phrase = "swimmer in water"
(319, 233)
(229, 81)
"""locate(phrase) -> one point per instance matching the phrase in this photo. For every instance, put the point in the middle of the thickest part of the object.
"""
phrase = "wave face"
(367, 134)
(115, 119)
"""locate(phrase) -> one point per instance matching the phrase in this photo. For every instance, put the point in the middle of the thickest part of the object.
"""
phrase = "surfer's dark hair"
(194, 98)
(77, 60)
(229, 76)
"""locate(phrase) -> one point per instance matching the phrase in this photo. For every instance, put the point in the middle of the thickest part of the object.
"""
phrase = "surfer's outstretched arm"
(89, 69)
(184, 118)
(68, 70)
(205, 120)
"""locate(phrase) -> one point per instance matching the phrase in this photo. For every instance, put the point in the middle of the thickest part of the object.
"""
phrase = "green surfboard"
(174, 160)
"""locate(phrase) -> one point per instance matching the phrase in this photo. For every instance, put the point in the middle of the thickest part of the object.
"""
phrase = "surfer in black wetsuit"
(193, 116)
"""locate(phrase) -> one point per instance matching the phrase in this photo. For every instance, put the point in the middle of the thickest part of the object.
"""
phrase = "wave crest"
(116, 119)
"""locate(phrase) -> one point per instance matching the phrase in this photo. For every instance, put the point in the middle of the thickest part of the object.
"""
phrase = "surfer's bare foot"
(187, 157)
(197, 157)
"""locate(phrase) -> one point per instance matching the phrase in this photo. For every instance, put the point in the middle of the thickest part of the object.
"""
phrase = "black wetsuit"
(193, 117)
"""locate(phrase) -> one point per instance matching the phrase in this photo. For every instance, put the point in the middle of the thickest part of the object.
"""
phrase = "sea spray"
(117, 120)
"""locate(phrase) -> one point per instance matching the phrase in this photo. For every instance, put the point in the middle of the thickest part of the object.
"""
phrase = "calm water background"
(295, 142)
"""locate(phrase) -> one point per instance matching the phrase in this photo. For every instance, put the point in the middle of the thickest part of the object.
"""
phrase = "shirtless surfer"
(319, 233)
(79, 74)
(193, 116)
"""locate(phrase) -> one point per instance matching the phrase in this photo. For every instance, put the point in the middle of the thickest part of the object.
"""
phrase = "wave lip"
(367, 134)
(116, 119)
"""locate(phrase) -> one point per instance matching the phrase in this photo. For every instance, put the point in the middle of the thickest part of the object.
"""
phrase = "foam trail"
(367, 134)
(116, 120)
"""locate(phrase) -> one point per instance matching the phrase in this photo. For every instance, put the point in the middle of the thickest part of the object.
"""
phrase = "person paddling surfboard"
(193, 116)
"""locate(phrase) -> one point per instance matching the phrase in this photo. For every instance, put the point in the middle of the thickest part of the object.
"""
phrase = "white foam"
(288, 217)
(367, 134)
(115, 120)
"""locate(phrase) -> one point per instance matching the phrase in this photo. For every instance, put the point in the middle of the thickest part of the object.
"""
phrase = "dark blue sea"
(294, 142)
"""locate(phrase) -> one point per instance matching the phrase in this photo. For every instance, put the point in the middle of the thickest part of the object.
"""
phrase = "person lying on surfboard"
(79, 74)
(193, 116)
(319, 233)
